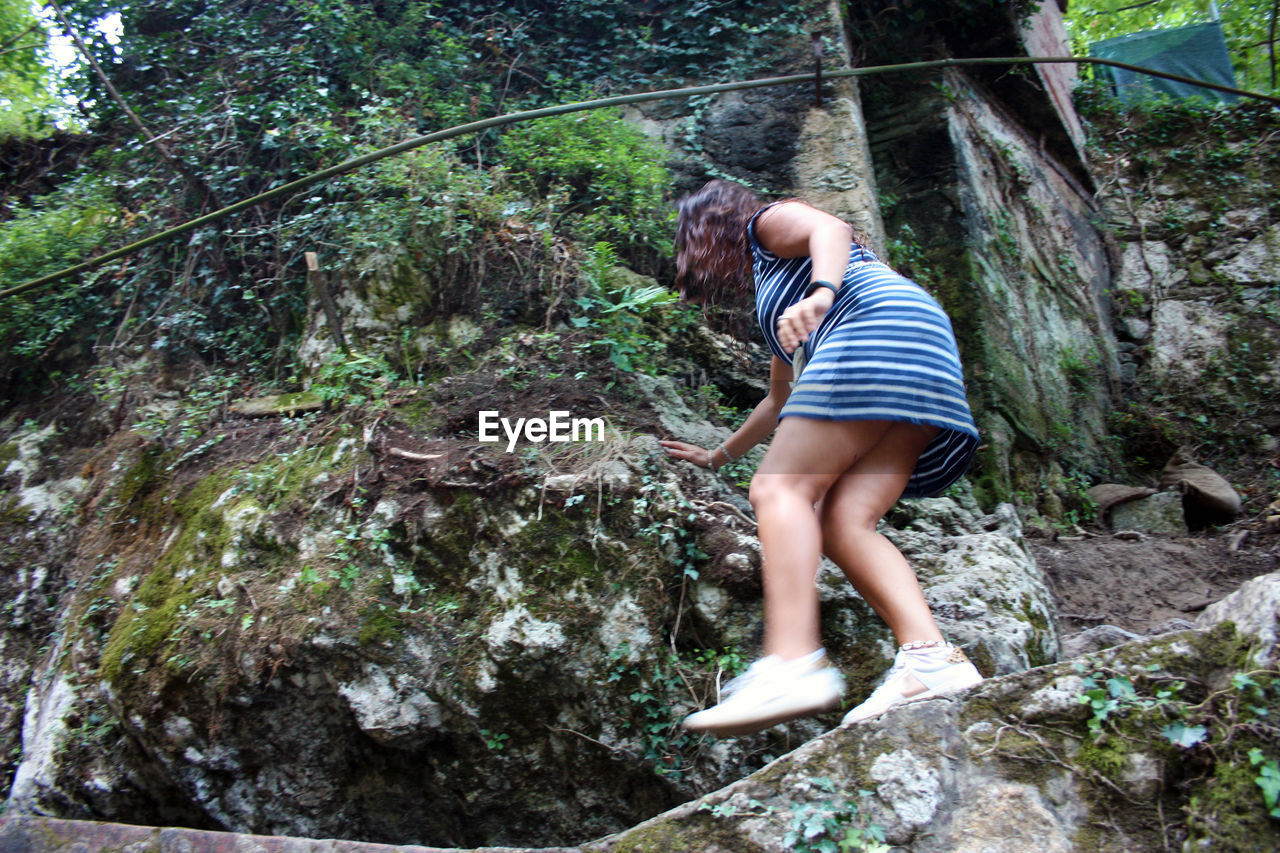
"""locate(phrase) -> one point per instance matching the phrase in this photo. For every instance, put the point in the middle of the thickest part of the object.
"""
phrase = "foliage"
(355, 379)
(1268, 780)
(886, 31)
(1220, 739)
(657, 687)
(249, 97)
(50, 234)
(1246, 25)
(595, 173)
(531, 44)
(833, 826)
(26, 99)
(1117, 694)
(617, 310)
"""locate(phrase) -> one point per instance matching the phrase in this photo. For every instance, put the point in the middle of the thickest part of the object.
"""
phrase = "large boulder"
(1143, 745)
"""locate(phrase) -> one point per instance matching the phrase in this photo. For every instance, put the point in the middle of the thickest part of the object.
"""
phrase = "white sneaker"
(771, 691)
(918, 674)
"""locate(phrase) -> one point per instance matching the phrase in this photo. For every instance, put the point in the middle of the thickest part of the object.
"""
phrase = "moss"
(692, 835)
(1040, 623)
(555, 549)
(280, 480)
(152, 619)
(12, 511)
(298, 401)
(140, 479)
(1227, 809)
(148, 624)
(423, 415)
(8, 453)
(380, 626)
(990, 490)
(1108, 755)
(982, 658)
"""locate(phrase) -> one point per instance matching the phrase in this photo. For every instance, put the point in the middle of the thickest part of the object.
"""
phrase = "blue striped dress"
(885, 351)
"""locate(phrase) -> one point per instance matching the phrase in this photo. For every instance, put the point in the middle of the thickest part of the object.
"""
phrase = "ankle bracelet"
(924, 644)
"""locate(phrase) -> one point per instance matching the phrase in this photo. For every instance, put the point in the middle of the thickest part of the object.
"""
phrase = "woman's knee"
(771, 490)
(763, 491)
(842, 517)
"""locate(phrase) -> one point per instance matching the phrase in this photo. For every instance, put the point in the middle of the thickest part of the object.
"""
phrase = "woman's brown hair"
(713, 257)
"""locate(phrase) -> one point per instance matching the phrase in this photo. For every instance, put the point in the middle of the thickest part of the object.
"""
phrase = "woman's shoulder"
(755, 217)
(757, 249)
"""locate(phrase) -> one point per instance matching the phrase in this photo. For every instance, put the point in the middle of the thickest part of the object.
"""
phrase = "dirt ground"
(1140, 586)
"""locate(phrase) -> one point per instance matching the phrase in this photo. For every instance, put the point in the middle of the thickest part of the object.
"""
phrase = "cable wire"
(579, 106)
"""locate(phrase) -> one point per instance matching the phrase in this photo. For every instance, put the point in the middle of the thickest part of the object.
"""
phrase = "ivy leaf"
(1183, 735)
(1121, 688)
(1240, 681)
(1268, 779)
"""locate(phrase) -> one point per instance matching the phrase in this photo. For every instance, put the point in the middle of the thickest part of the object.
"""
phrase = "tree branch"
(1136, 6)
(5, 50)
(14, 38)
(1271, 41)
(147, 136)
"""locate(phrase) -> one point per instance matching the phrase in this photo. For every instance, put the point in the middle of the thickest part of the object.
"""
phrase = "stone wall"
(1004, 235)
(777, 140)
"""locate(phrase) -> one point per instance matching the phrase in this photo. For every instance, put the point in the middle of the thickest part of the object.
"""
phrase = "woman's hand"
(800, 320)
(688, 452)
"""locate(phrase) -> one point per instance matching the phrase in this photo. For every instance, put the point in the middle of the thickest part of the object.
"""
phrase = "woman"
(877, 412)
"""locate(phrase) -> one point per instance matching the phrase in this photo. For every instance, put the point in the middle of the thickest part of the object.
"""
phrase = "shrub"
(600, 177)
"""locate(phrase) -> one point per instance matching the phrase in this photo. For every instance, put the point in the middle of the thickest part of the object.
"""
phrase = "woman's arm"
(758, 426)
(792, 230)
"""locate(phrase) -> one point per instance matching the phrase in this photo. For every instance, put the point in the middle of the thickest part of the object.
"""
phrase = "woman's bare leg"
(804, 460)
(849, 512)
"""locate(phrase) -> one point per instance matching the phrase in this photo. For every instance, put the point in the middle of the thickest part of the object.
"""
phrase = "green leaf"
(1183, 735)
(1240, 681)
(1121, 688)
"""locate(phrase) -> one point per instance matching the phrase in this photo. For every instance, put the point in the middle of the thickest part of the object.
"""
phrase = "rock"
(279, 404)
(44, 734)
(1109, 495)
(1095, 639)
(1258, 262)
(952, 774)
(1185, 335)
(1157, 513)
(1206, 495)
(1008, 818)
(517, 632)
(49, 835)
(832, 161)
(910, 786)
(985, 589)
(1135, 328)
(1140, 263)
(390, 708)
(1168, 626)
(1253, 609)
(755, 133)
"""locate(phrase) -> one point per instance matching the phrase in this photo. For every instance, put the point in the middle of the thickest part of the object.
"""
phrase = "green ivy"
(597, 175)
(53, 232)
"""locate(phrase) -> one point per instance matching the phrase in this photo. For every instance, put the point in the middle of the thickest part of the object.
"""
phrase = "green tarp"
(1198, 51)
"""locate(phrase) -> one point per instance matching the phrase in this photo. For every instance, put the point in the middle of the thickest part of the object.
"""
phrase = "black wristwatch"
(814, 285)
